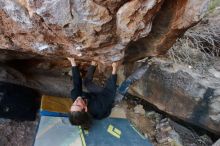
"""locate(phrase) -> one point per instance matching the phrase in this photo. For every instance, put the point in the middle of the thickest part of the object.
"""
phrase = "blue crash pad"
(114, 132)
(57, 131)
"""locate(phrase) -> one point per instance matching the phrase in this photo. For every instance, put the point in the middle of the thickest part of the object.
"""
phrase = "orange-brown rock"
(173, 19)
(96, 29)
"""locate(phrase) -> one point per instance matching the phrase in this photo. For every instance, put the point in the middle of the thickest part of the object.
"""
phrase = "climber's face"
(78, 105)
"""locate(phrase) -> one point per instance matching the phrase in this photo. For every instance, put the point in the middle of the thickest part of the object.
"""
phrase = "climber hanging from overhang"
(98, 101)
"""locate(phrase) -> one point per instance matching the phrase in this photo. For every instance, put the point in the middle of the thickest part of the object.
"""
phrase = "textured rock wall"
(173, 19)
(95, 29)
(181, 92)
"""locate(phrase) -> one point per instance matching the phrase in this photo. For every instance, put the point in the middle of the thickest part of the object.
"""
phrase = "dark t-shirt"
(99, 103)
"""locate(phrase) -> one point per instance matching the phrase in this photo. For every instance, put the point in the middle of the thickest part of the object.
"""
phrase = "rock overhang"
(96, 30)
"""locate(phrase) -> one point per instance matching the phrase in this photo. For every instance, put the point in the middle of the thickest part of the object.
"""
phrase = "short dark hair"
(80, 118)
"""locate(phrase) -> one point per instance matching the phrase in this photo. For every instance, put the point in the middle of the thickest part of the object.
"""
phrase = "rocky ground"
(17, 133)
(160, 129)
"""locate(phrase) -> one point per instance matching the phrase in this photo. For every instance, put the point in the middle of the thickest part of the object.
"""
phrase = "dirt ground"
(17, 133)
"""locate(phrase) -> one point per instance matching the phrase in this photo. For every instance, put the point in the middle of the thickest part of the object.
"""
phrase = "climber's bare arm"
(94, 63)
(72, 61)
(114, 67)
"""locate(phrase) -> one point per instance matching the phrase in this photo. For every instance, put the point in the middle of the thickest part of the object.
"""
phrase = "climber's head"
(79, 114)
(79, 105)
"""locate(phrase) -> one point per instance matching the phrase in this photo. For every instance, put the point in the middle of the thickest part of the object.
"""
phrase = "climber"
(97, 102)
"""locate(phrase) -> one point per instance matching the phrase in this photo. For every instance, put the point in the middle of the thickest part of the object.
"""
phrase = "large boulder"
(181, 92)
(95, 29)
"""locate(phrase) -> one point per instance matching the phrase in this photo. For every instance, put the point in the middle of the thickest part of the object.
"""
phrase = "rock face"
(171, 133)
(95, 29)
(217, 143)
(173, 19)
(182, 93)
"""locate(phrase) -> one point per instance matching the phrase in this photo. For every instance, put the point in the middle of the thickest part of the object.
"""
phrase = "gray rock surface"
(217, 143)
(170, 133)
(17, 133)
(181, 92)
